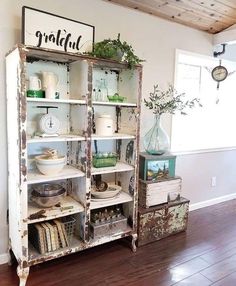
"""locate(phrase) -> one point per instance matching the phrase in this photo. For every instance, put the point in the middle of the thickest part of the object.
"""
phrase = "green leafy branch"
(169, 101)
(115, 49)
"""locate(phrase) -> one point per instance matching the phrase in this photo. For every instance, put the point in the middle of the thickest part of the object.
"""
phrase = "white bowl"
(49, 166)
(112, 191)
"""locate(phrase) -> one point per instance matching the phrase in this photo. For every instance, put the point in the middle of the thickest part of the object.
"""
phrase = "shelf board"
(46, 100)
(68, 206)
(114, 136)
(123, 197)
(34, 176)
(107, 238)
(110, 103)
(120, 167)
(35, 257)
(76, 245)
(60, 138)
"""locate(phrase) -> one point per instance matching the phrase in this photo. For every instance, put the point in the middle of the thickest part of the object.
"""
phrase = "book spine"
(51, 229)
(48, 237)
(61, 235)
(41, 238)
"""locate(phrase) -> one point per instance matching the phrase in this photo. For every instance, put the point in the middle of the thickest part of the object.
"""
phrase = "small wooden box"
(156, 167)
(161, 221)
(155, 193)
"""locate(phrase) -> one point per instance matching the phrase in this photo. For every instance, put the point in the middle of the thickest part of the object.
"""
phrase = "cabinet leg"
(10, 255)
(10, 258)
(134, 238)
(23, 275)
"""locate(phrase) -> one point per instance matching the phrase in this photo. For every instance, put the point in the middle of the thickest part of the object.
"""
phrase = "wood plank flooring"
(204, 255)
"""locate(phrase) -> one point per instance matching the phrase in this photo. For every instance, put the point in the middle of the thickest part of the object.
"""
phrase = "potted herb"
(117, 50)
(156, 140)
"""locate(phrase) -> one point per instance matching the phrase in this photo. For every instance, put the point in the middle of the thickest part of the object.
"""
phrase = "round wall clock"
(219, 73)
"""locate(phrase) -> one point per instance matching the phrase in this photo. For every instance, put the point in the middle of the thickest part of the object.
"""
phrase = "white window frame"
(194, 151)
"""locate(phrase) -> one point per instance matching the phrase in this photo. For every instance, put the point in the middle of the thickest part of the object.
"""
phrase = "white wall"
(154, 40)
(230, 52)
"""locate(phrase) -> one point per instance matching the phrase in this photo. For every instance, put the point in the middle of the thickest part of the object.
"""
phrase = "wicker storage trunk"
(161, 221)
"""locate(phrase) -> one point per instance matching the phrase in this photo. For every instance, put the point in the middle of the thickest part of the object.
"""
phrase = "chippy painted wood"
(17, 158)
(114, 136)
(56, 101)
(63, 137)
(77, 175)
(123, 197)
(68, 206)
(212, 16)
(161, 221)
(35, 177)
(120, 167)
(155, 193)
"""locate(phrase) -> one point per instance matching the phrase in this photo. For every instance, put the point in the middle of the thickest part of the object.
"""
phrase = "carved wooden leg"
(134, 238)
(22, 274)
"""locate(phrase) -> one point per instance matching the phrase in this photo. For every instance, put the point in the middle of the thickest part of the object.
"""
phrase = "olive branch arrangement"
(169, 101)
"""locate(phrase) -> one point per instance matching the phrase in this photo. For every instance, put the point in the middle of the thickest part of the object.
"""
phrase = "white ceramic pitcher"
(50, 81)
(34, 83)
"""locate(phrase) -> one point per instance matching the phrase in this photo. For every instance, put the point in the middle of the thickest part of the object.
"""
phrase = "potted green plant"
(117, 50)
(156, 140)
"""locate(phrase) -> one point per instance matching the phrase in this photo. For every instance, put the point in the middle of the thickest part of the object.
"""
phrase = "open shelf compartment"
(68, 206)
(34, 176)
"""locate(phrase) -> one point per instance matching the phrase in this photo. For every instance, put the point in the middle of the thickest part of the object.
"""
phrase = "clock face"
(219, 73)
(49, 124)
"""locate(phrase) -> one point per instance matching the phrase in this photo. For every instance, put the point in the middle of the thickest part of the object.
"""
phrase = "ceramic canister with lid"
(104, 125)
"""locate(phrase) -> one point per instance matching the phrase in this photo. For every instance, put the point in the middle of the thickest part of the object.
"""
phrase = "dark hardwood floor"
(204, 255)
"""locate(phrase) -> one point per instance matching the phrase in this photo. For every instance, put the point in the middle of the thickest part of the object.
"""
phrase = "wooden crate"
(155, 193)
(161, 221)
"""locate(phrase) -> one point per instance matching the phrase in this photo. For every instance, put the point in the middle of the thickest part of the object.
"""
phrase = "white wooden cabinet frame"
(79, 76)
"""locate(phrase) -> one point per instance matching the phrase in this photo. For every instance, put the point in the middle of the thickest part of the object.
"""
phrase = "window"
(213, 125)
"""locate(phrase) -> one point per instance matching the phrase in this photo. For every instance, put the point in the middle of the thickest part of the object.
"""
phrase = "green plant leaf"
(169, 101)
(111, 49)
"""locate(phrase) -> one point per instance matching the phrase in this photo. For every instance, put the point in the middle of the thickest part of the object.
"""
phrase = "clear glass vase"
(156, 140)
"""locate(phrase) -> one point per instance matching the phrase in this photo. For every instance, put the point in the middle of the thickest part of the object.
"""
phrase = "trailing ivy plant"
(117, 50)
(169, 101)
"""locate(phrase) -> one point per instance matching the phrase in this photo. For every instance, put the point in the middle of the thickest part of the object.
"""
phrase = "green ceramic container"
(36, 93)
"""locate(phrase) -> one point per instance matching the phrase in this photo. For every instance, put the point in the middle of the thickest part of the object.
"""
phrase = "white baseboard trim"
(3, 258)
(211, 202)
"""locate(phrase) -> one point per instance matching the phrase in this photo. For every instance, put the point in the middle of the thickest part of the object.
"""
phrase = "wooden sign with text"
(46, 30)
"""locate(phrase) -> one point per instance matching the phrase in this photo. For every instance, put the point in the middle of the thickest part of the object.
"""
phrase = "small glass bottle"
(104, 90)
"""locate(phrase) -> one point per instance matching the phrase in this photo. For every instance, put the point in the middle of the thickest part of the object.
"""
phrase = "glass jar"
(156, 140)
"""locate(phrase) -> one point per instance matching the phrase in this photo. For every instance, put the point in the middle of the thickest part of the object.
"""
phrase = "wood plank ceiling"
(212, 16)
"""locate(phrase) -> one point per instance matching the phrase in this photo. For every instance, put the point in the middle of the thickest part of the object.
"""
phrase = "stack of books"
(48, 236)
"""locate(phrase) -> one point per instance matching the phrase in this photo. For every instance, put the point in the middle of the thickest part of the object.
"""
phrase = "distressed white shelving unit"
(77, 110)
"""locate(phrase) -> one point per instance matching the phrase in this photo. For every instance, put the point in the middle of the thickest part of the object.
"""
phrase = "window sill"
(202, 151)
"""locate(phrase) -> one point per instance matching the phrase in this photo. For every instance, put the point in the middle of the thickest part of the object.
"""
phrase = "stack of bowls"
(47, 195)
(50, 166)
